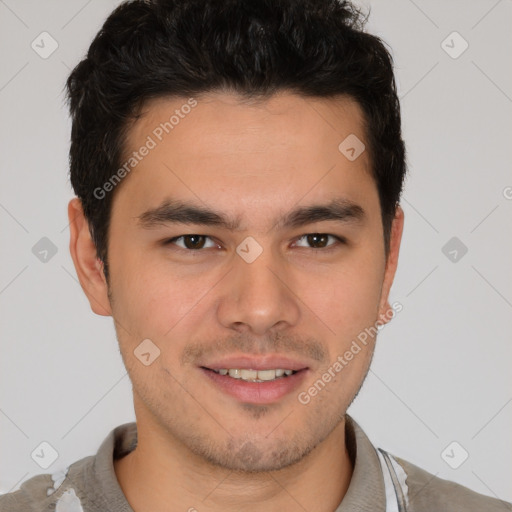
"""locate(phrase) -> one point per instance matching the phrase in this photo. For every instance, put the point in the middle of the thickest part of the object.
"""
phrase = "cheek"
(156, 299)
(346, 297)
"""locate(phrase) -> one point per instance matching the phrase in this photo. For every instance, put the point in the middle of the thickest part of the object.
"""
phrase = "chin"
(258, 454)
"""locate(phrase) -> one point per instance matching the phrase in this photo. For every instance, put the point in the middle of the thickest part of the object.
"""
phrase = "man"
(238, 167)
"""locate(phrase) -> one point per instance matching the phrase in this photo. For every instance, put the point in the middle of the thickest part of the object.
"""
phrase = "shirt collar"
(366, 489)
(101, 475)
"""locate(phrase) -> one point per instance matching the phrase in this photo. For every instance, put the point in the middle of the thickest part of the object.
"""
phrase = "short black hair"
(178, 48)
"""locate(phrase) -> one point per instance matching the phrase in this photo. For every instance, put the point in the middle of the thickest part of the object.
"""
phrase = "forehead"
(320, 121)
(236, 152)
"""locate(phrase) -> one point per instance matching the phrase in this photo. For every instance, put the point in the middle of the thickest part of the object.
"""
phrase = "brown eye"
(317, 240)
(189, 242)
(320, 240)
(193, 241)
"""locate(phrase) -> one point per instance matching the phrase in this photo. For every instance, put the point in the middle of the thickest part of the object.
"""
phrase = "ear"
(88, 266)
(385, 310)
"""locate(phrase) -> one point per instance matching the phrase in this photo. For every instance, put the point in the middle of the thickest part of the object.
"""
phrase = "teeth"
(266, 374)
(255, 375)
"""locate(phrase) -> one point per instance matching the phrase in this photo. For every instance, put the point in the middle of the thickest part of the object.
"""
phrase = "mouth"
(250, 375)
(255, 381)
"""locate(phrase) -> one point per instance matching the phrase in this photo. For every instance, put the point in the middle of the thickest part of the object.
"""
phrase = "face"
(245, 239)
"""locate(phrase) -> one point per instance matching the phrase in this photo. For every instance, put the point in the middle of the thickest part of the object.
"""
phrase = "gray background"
(441, 372)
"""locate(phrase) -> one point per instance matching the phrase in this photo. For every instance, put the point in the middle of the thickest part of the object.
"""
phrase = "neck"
(162, 474)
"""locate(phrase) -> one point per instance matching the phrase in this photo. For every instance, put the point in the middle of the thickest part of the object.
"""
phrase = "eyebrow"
(179, 212)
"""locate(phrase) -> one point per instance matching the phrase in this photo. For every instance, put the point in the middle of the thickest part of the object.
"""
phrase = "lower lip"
(257, 392)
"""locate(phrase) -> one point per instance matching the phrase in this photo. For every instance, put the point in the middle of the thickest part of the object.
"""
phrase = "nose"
(258, 296)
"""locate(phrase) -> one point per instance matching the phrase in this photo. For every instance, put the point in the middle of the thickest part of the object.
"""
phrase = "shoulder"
(49, 492)
(87, 485)
(31, 492)
(426, 492)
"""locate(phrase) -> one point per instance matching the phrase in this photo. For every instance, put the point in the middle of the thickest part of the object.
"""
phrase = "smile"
(250, 375)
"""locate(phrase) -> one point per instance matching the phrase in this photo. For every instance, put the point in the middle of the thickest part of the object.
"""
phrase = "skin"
(198, 447)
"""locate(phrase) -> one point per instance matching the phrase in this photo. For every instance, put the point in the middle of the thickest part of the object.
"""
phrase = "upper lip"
(255, 362)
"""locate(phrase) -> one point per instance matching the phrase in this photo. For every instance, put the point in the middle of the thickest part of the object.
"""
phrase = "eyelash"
(339, 241)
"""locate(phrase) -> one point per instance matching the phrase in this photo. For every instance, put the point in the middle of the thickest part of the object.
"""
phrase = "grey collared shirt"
(380, 482)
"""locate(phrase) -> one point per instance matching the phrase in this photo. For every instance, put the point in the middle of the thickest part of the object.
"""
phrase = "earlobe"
(88, 266)
(385, 310)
